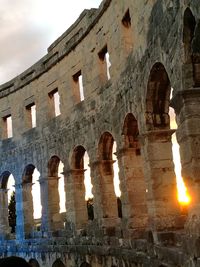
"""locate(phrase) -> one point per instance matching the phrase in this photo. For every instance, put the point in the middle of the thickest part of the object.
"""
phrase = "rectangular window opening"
(105, 58)
(127, 33)
(31, 115)
(55, 98)
(79, 90)
(8, 126)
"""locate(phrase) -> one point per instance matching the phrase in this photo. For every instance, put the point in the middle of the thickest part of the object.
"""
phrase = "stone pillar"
(108, 198)
(51, 218)
(163, 208)
(133, 189)
(76, 206)
(19, 212)
(28, 208)
(44, 202)
(187, 106)
(96, 190)
(4, 225)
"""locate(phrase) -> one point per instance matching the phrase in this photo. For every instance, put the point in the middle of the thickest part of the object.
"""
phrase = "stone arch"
(7, 227)
(53, 166)
(130, 131)
(157, 146)
(105, 146)
(158, 98)
(77, 158)
(29, 176)
(110, 206)
(83, 206)
(134, 189)
(191, 41)
(34, 263)
(58, 263)
(4, 179)
(54, 197)
(85, 264)
(189, 25)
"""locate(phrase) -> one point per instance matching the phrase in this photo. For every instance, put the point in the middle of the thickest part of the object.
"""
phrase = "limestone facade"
(154, 49)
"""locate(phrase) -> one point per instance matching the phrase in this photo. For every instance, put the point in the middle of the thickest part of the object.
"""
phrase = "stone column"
(4, 225)
(163, 208)
(187, 106)
(19, 212)
(96, 190)
(28, 208)
(44, 202)
(109, 210)
(50, 204)
(133, 189)
(76, 206)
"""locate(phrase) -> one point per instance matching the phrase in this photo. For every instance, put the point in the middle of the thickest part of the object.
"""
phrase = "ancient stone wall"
(153, 47)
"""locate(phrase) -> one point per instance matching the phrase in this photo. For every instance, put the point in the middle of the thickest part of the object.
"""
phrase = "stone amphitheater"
(117, 70)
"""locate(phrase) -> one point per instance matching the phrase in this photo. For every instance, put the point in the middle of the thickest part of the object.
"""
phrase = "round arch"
(27, 176)
(53, 164)
(158, 98)
(58, 263)
(4, 179)
(109, 179)
(56, 192)
(105, 146)
(34, 263)
(83, 197)
(8, 203)
(85, 264)
(77, 161)
(189, 24)
(130, 131)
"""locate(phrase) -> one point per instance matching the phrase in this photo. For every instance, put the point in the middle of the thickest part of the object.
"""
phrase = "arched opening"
(109, 180)
(132, 162)
(191, 41)
(34, 263)
(189, 25)
(56, 193)
(85, 264)
(8, 204)
(61, 188)
(31, 199)
(159, 167)
(116, 180)
(157, 99)
(58, 263)
(83, 197)
(13, 261)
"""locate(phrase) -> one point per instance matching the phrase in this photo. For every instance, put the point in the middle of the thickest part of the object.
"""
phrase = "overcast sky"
(28, 27)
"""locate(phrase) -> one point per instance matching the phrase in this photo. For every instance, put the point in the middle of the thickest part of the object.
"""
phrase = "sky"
(28, 27)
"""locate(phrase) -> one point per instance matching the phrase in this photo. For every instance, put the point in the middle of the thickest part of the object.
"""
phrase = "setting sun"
(182, 193)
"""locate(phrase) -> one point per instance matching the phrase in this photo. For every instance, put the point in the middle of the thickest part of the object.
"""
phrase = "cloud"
(29, 26)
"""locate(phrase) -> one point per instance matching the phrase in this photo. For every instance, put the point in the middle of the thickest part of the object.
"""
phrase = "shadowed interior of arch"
(58, 263)
(107, 152)
(157, 99)
(31, 198)
(55, 169)
(8, 184)
(161, 116)
(34, 263)
(80, 165)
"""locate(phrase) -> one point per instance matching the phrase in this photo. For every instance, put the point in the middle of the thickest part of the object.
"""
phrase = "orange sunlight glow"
(183, 196)
(87, 179)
